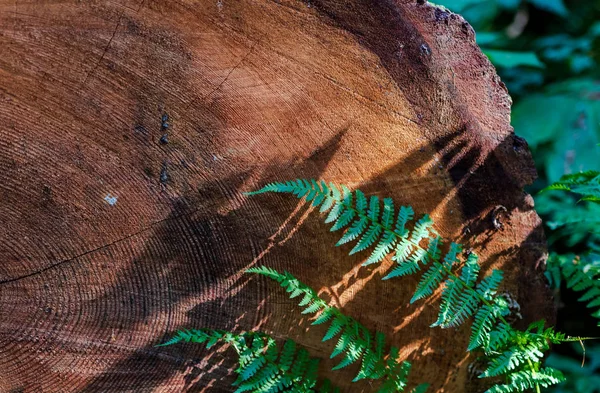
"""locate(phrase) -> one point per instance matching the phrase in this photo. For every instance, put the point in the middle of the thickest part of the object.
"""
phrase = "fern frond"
(504, 363)
(581, 274)
(387, 242)
(482, 325)
(374, 230)
(310, 300)
(527, 379)
(586, 184)
(263, 367)
(422, 388)
(355, 230)
(355, 342)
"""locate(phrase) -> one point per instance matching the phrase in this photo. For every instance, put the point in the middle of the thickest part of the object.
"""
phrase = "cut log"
(131, 129)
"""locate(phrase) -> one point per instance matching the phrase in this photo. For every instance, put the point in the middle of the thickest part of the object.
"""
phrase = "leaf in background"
(490, 39)
(580, 63)
(509, 59)
(594, 30)
(540, 118)
(563, 126)
(555, 6)
(479, 13)
(575, 147)
(509, 4)
(557, 47)
(571, 222)
(580, 379)
(521, 81)
(458, 5)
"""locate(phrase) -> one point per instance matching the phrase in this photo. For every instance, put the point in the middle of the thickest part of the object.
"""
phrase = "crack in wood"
(99, 248)
(93, 70)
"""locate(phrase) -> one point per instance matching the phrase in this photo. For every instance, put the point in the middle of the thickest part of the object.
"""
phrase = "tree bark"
(118, 229)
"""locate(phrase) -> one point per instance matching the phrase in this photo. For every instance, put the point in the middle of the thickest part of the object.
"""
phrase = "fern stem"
(533, 372)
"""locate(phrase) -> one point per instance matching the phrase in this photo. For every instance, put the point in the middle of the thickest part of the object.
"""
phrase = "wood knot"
(498, 212)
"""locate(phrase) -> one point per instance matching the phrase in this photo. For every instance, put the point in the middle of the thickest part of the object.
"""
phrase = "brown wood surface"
(393, 97)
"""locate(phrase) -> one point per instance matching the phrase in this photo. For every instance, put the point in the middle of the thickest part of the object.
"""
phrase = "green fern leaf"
(504, 363)
(452, 288)
(335, 212)
(325, 316)
(404, 269)
(387, 216)
(354, 352)
(511, 351)
(466, 307)
(251, 367)
(335, 328)
(527, 379)
(361, 202)
(346, 339)
(482, 325)
(385, 246)
(330, 198)
(586, 184)
(344, 220)
(499, 337)
(340, 205)
(300, 365)
(262, 366)
(181, 336)
(452, 256)
(374, 230)
(371, 358)
(432, 278)
(368, 239)
(405, 215)
(581, 274)
(422, 388)
(355, 230)
(470, 271)
(488, 286)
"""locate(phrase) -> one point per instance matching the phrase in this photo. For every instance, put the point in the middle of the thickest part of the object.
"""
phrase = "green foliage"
(565, 138)
(354, 341)
(581, 274)
(586, 184)
(571, 225)
(581, 378)
(512, 354)
(264, 367)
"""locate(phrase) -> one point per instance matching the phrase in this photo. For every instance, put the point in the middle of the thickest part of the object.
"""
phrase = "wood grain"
(111, 240)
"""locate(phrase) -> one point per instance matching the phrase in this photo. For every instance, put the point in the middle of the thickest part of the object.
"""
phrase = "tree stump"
(131, 129)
